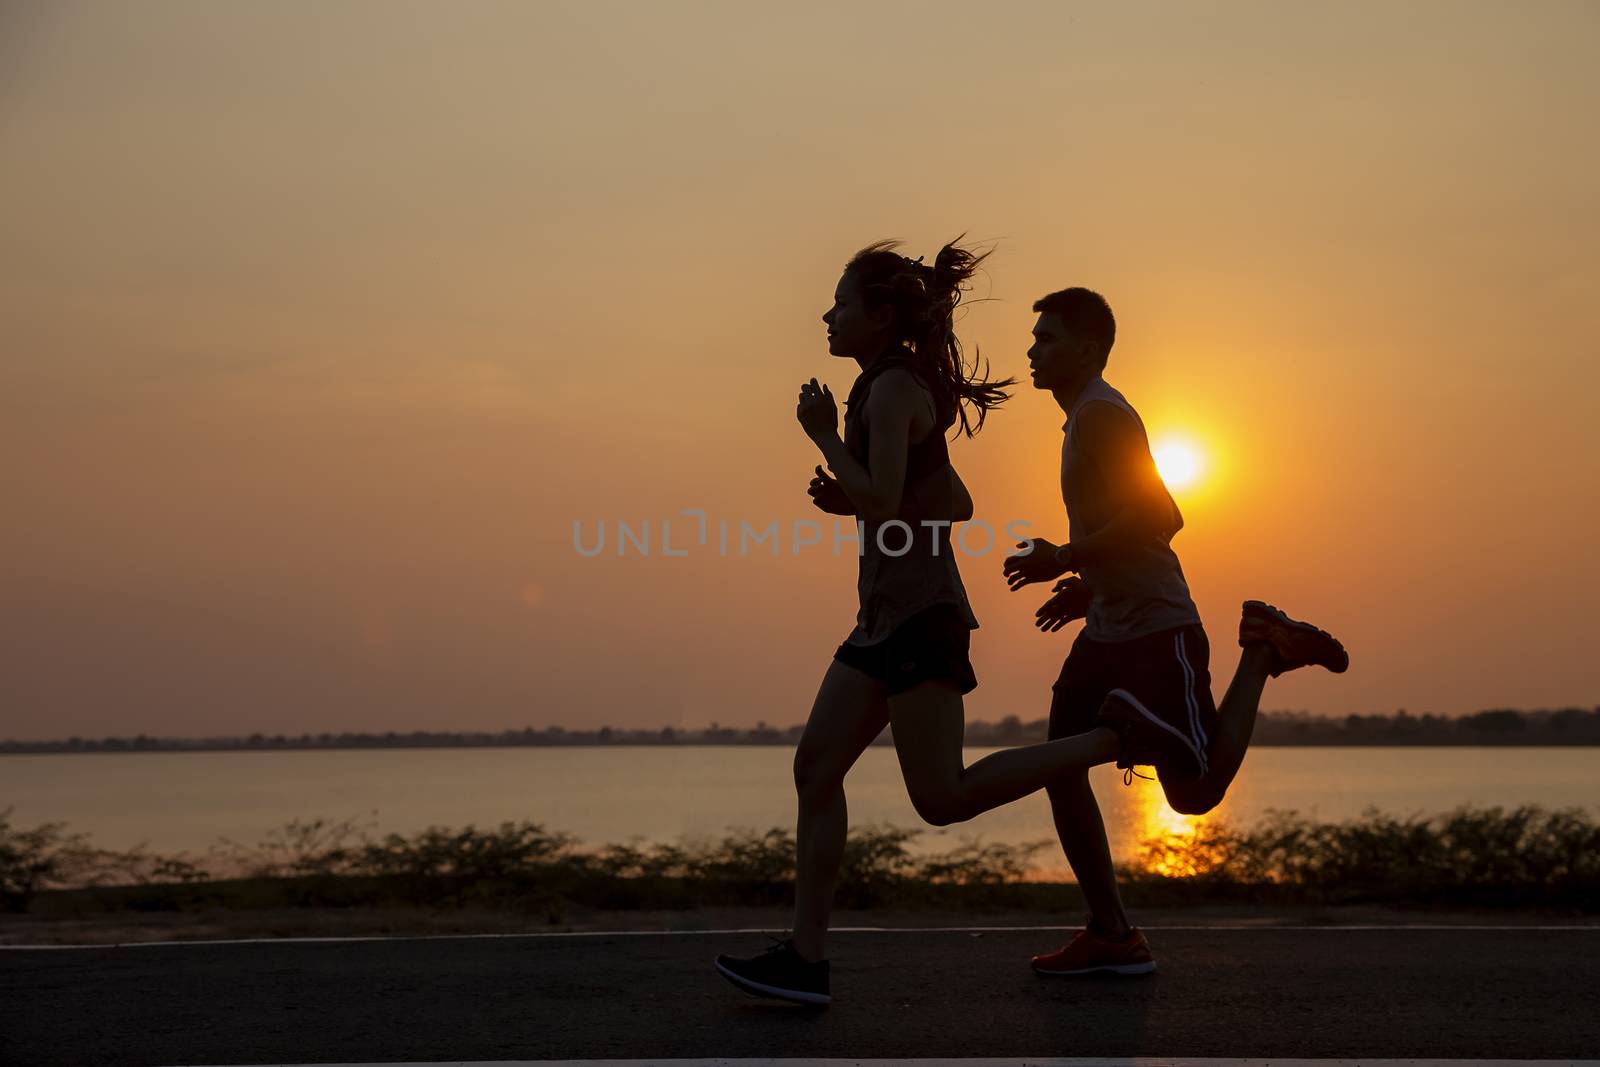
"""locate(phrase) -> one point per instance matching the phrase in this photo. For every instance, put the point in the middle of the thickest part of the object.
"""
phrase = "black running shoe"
(1165, 742)
(778, 972)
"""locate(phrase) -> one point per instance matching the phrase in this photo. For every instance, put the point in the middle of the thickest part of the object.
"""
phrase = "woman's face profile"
(853, 331)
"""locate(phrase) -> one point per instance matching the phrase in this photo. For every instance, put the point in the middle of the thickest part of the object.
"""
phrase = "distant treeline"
(1565, 726)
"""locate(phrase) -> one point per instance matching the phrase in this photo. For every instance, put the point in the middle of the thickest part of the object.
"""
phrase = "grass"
(1525, 857)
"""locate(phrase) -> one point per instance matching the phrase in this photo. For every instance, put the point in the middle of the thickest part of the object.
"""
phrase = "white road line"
(1139, 1061)
(1233, 929)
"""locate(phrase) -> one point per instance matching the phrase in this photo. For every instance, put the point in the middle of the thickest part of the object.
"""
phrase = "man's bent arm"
(1112, 440)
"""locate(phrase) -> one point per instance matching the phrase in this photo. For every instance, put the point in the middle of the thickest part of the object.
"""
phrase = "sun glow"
(1174, 845)
(1179, 462)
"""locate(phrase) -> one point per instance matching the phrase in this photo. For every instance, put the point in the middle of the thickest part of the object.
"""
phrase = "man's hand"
(826, 494)
(1036, 565)
(816, 411)
(1071, 601)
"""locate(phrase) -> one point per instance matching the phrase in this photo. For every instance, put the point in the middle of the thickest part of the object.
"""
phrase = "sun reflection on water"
(1146, 836)
(1174, 845)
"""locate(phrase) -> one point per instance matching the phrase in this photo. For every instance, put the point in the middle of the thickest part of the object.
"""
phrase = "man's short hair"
(1085, 313)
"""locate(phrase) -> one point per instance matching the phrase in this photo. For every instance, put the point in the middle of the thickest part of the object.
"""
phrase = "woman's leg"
(928, 726)
(849, 711)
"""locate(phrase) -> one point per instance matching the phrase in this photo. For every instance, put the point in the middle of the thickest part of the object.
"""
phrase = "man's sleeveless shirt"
(1141, 589)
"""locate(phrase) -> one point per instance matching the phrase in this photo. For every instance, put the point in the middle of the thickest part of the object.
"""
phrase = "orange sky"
(324, 322)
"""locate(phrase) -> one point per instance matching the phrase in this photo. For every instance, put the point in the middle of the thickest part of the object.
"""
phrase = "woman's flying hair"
(924, 299)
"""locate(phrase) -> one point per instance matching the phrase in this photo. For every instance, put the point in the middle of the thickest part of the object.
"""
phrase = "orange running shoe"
(1295, 644)
(1089, 953)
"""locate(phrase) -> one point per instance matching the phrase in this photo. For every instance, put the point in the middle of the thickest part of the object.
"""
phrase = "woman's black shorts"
(933, 643)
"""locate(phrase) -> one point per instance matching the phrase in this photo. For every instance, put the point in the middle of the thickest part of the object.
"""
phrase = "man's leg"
(1110, 944)
(1074, 700)
(1083, 838)
(1230, 740)
(1273, 643)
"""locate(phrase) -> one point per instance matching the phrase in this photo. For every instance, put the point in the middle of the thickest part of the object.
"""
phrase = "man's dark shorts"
(1168, 672)
(930, 644)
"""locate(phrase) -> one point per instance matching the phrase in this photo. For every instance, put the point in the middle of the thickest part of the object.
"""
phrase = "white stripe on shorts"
(1195, 728)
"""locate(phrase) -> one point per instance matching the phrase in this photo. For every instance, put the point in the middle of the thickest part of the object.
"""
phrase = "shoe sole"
(1132, 702)
(1336, 660)
(1105, 968)
(796, 996)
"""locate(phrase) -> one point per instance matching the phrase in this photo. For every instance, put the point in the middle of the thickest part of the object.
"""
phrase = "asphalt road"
(1393, 993)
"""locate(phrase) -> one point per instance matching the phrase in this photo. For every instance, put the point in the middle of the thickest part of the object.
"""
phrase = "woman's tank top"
(895, 585)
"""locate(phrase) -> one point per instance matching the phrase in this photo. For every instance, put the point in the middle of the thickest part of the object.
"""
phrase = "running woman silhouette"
(1137, 677)
(905, 663)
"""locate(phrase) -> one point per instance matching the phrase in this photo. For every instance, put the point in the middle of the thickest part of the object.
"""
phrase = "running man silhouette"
(906, 662)
(1138, 675)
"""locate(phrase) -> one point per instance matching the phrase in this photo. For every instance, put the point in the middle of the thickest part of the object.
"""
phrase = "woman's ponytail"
(925, 299)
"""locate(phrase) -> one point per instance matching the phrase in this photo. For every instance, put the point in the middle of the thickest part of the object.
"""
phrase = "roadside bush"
(1522, 857)
(1491, 857)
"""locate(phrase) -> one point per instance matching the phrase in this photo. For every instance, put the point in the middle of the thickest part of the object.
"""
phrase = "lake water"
(178, 802)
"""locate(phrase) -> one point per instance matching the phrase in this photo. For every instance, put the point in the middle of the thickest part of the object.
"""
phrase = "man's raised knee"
(1191, 799)
(940, 809)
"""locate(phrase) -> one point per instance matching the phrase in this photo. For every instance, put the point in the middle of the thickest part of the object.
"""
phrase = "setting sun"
(1180, 463)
